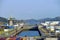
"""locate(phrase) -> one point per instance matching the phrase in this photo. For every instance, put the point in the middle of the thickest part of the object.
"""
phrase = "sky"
(29, 9)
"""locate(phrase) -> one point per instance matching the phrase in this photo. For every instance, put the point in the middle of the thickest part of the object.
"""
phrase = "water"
(28, 33)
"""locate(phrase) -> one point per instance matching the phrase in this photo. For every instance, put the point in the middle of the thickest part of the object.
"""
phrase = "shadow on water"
(35, 29)
(41, 39)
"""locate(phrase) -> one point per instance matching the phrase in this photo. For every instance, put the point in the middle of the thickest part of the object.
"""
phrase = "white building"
(54, 23)
(51, 23)
(46, 23)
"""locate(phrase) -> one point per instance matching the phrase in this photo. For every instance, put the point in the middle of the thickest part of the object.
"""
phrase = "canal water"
(28, 33)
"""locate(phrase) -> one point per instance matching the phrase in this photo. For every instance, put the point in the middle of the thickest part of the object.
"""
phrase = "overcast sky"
(28, 9)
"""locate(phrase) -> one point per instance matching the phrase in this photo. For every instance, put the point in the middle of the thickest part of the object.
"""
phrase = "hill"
(34, 21)
(2, 19)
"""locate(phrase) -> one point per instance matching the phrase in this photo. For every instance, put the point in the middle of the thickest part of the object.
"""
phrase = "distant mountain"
(56, 19)
(50, 19)
(3, 20)
(33, 21)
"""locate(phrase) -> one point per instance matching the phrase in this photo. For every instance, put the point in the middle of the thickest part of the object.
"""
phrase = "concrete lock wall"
(51, 39)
